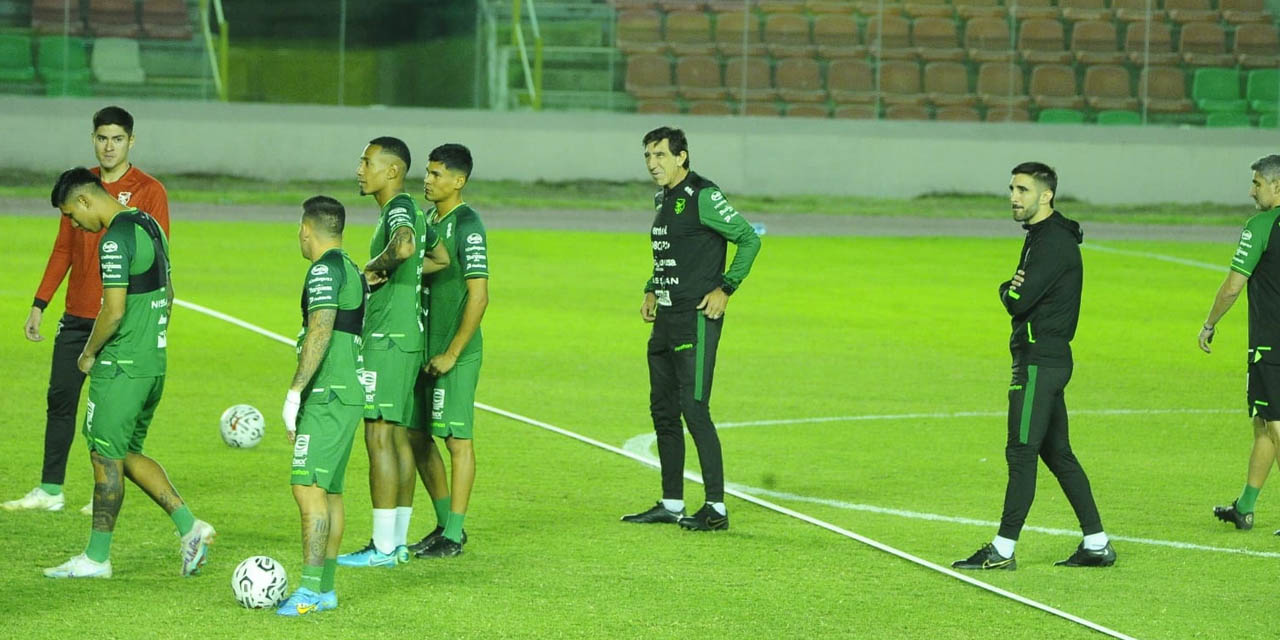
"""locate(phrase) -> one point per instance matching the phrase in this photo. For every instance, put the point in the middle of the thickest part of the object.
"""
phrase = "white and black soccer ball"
(242, 426)
(259, 582)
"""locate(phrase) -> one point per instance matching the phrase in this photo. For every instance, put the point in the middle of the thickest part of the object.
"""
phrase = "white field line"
(1155, 256)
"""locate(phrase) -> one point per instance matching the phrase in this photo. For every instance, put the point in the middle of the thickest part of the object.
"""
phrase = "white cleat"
(37, 499)
(195, 547)
(87, 509)
(80, 567)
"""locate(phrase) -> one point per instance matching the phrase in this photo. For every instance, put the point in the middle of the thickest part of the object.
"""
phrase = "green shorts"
(422, 402)
(453, 397)
(392, 374)
(119, 411)
(326, 431)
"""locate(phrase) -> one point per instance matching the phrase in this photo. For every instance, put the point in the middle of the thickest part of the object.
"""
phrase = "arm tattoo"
(314, 346)
(108, 492)
(390, 258)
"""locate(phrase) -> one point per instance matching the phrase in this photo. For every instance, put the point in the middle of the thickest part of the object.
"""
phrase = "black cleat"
(706, 519)
(1083, 557)
(441, 547)
(658, 514)
(421, 545)
(1243, 521)
(986, 558)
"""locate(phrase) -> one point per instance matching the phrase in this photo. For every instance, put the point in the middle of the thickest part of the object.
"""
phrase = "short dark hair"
(327, 214)
(113, 115)
(1041, 173)
(676, 141)
(1268, 167)
(70, 181)
(454, 157)
(395, 147)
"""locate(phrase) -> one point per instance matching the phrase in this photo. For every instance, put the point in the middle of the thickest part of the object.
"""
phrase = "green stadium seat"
(117, 61)
(1216, 89)
(1227, 119)
(1119, 118)
(1060, 116)
(15, 59)
(1268, 120)
(1262, 90)
(63, 65)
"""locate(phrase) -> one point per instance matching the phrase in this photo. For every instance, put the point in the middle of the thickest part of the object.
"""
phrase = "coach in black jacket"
(1043, 298)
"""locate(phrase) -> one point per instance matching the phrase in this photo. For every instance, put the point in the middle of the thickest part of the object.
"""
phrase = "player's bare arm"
(437, 259)
(472, 313)
(1227, 294)
(398, 249)
(314, 346)
(113, 300)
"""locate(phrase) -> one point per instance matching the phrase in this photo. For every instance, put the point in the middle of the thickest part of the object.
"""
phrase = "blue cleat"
(371, 557)
(328, 601)
(302, 602)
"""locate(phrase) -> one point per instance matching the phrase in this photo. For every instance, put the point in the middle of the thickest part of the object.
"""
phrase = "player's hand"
(32, 328)
(1017, 279)
(85, 362)
(441, 364)
(649, 309)
(1206, 337)
(375, 277)
(713, 303)
(292, 402)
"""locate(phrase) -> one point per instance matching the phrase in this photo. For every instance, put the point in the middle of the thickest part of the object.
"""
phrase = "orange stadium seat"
(623, 5)
(999, 84)
(855, 112)
(170, 19)
(113, 18)
(729, 29)
(698, 78)
(1008, 114)
(787, 35)
(1107, 87)
(781, 6)
(759, 81)
(57, 17)
(1042, 42)
(1244, 11)
(1032, 9)
(967, 9)
(987, 40)
(928, 8)
(1161, 44)
(850, 80)
(808, 111)
(947, 85)
(799, 80)
(762, 109)
(1078, 10)
(906, 112)
(957, 114)
(900, 83)
(649, 76)
(1184, 11)
(640, 32)
(1166, 90)
(1053, 86)
(889, 38)
(935, 39)
(710, 108)
(689, 33)
(1094, 42)
(1256, 46)
(1136, 10)
(657, 106)
(1204, 44)
(836, 36)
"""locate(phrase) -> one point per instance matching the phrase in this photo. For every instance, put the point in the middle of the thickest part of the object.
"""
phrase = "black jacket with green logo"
(1046, 307)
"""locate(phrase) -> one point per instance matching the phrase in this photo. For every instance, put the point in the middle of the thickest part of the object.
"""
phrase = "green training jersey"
(334, 282)
(394, 312)
(134, 255)
(463, 236)
(1258, 259)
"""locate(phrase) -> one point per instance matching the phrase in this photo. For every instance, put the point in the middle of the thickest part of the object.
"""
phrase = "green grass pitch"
(824, 328)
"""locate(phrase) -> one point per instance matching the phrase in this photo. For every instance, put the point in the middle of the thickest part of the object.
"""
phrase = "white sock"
(403, 514)
(719, 507)
(384, 530)
(673, 505)
(1096, 541)
(1004, 546)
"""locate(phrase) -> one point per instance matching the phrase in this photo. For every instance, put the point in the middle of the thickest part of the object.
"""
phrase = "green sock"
(99, 548)
(326, 578)
(1247, 499)
(442, 510)
(312, 577)
(183, 518)
(51, 489)
(453, 529)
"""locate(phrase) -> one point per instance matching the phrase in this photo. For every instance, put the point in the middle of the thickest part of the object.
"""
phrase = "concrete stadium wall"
(744, 155)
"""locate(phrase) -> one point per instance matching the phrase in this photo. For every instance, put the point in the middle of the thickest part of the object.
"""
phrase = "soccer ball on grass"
(242, 426)
(259, 582)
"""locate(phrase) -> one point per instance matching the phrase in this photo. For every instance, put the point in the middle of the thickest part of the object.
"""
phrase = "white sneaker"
(37, 498)
(80, 567)
(195, 547)
(87, 509)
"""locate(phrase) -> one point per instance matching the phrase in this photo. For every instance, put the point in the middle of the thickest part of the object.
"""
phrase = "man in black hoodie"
(1043, 298)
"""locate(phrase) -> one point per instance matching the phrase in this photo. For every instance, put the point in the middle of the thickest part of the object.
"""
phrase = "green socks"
(453, 529)
(51, 489)
(99, 548)
(183, 519)
(442, 510)
(1247, 499)
(326, 578)
(312, 577)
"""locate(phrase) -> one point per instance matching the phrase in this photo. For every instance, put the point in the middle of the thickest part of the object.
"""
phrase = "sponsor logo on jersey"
(474, 238)
(437, 404)
(124, 197)
(319, 270)
(688, 189)
(1246, 236)
(300, 445)
(110, 246)
(660, 231)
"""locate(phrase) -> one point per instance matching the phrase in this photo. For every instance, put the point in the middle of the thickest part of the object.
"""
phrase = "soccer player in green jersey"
(458, 296)
(1256, 264)
(322, 426)
(393, 346)
(125, 361)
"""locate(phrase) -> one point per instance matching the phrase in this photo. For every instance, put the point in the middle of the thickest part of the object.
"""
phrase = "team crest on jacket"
(679, 206)
(124, 197)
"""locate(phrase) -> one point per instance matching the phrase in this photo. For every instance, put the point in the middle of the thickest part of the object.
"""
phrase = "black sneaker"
(1242, 521)
(706, 519)
(658, 513)
(421, 545)
(441, 547)
(1083, 557)
(986, 558)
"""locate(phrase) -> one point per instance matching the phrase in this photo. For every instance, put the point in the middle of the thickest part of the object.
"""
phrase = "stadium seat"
(759, 79)
(117, 61)
(1053, 86)
(63, 65)
(1161, 44)
(1262, 90)
(1060, 116)
(640, 32)
(928, 8)
(856, 112)
(681, 5)
(1256, 46)
(1033, 9)
(729, 29)
(1165, 89)
(698, 78)
(946, 84)
(57, 16)
(1268, 121)
(821, 7)
(957, 114)
(808, 111)
(1007, 114)
(889, 38)
(837, 37)
(1217, 90)
(1204, 44)
(649, 76)
(787, 35)
(1082, 10)
(870, 8)
(799, 80)
(935, 40)
(1001, 85)
(113, 18)
(987, 40)
(657, 106)
(168, 19)
(906, 112)
(710, 108)
(1184, 11)
(1136, 10)
(624, 5)
(780, 6)
(968, 9)
(1042, 42)
(1094, 42)
(770, 109)
(1106, 87)
(1244, 11)
(850, 80)
(1119, 118)
(688, 33)
(900, 83)
(15, 59)
(1227, 119)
